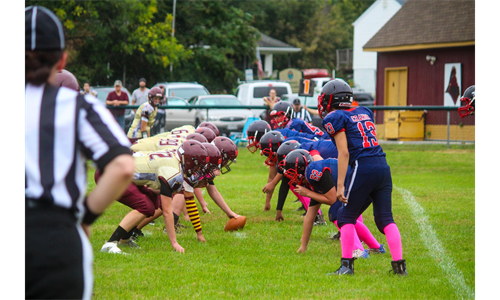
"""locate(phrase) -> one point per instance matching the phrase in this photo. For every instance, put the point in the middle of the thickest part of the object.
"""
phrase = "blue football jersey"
(315, 170)
(325, 148)
(359, 128)
(287, 133)
(302, 126)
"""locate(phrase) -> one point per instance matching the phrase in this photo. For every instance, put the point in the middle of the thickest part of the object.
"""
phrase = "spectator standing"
(140, 95)
(269, 102)
(87, 89)
(118, 98)
(300, 112)
(62, 130)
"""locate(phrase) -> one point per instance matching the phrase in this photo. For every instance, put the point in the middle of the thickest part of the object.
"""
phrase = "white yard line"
(435, 247)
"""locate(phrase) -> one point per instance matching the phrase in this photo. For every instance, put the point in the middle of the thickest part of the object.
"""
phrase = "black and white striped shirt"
(63, 130)
(302, 114)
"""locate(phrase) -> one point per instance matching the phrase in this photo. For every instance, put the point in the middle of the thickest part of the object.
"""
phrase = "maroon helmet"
(206, 132)
(211, 126)
(214, 160)
(229, 152)
(197, 136)
(194, 159)
(155, 92)
(67, 79)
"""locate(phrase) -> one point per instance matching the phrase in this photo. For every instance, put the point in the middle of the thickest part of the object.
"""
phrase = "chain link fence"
(432, 124)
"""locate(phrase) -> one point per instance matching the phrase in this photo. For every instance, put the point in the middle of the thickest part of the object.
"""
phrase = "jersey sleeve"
(98, 132)
(334, 122)
(172, 177)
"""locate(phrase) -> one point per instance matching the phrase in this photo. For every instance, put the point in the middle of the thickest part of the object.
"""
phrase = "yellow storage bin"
(391, 122)
(412, 124)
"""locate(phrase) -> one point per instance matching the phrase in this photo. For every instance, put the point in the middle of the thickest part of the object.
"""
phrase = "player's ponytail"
(38, 65)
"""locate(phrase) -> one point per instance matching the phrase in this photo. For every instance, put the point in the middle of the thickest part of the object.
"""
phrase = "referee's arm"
(107, 145)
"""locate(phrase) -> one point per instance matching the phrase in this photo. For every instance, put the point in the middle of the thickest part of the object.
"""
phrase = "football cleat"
(346, 267)
(129, 243)
(379, 250)
(300, 208)
(112, 247)
(358, 253)
(319, 221)
(335, 237)
(399, 267)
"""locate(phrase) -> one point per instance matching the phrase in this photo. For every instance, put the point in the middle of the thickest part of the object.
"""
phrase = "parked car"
(253, 92)
(102, 94)
(184, 90)
(179, 117)
(319, 83)
(227, 120)
(363, 98)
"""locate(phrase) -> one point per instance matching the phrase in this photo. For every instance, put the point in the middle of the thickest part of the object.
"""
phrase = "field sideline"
(433, 205)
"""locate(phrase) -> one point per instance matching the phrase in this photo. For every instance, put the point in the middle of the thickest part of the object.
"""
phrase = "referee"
(300, 112)
(63, 130)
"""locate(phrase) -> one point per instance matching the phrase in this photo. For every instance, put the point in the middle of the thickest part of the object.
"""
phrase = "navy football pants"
(370, 181)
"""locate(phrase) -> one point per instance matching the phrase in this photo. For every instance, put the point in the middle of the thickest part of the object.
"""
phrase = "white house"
(365, 27)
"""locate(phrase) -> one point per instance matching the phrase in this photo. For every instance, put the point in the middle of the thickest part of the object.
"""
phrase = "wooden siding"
(426, 81)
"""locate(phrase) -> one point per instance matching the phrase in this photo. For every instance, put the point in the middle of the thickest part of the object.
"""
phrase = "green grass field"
(433, 205)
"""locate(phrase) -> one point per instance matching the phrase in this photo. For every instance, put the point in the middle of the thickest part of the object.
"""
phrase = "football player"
(145, 115)
(319, 149)
(468, 102)
(260, 127)
(281, 117)
(317, 179)
(163, 140)
(165, 173)
(223, 153)
(353, 132)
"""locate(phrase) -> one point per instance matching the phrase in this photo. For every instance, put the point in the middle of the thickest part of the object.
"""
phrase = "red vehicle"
(315, 73)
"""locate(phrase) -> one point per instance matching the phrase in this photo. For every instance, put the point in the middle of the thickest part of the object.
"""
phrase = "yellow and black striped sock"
(194, 216)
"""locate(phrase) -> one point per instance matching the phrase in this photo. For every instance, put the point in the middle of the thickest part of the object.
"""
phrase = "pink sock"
(357, 242)
(304, 200)
(347, 234)
(360, 219)
(394, 241)
(365, 235)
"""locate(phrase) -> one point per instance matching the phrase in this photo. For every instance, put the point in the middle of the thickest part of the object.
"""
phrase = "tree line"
(130, 39)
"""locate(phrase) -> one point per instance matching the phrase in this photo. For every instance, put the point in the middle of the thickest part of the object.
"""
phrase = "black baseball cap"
(296, 101)
(43, 30)
(142, 79)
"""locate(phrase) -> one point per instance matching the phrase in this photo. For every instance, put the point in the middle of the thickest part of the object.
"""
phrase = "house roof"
(269, 44)
(422, 24)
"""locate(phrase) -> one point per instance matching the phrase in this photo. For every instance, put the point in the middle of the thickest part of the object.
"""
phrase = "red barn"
(426, 56)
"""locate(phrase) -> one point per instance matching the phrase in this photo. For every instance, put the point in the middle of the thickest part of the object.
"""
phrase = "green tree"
(318, 27)
(109, 40)
(218, 35)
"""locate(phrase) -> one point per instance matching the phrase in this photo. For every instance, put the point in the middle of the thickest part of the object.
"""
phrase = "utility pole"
(173, 34)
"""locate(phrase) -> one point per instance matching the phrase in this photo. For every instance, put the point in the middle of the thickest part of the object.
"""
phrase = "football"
(235, 223)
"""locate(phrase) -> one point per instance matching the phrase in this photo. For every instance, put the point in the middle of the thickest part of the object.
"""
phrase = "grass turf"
(260, 261)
